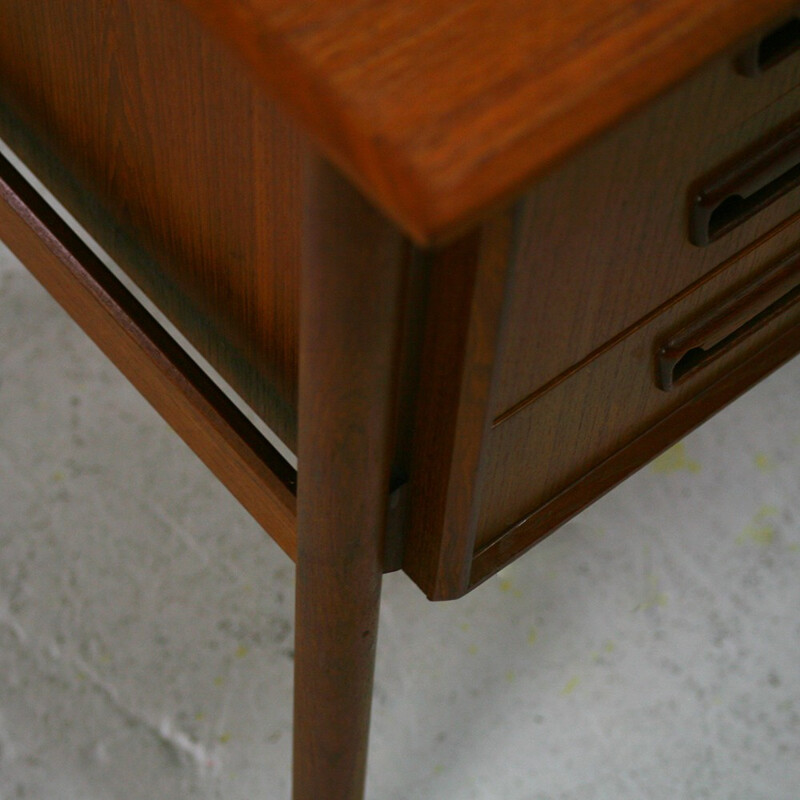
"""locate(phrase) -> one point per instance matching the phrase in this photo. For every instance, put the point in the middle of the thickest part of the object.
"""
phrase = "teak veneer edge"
(446, 109)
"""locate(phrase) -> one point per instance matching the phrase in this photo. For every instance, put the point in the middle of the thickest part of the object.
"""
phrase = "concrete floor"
(649, 650)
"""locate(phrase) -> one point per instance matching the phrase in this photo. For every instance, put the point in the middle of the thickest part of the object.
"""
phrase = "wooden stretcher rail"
(196, 408)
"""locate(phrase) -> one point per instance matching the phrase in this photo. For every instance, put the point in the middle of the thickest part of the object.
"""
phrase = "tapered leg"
(349, 322)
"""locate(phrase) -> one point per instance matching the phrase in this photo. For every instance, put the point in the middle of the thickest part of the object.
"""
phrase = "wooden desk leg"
(349, 330)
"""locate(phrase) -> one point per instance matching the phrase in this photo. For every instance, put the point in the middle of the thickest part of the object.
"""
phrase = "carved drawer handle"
(746, 186)
(772, 48)
(719, 331)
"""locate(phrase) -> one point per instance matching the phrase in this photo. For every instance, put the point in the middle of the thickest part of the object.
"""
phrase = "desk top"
(439, 109)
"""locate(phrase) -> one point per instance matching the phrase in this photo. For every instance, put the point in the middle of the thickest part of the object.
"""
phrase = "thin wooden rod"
(351, 298)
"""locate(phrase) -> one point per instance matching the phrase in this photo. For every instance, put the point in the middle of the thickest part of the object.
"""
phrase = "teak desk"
(473, 260)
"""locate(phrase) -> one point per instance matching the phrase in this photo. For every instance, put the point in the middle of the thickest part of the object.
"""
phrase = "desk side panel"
(154, 138)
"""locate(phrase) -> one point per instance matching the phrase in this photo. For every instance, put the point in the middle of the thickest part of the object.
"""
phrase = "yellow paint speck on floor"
(570, 686)
(675, 460)
(759, 534)
(764, 463)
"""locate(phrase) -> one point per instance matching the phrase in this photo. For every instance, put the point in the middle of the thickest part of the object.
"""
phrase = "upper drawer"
(605, 240)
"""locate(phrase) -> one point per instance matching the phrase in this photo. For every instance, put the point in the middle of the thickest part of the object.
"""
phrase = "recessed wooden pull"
(741, 189)
(720, 330)
(773, 47)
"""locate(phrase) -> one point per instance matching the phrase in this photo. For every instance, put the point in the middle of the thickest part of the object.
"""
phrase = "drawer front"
(605, 240)
(636, 395)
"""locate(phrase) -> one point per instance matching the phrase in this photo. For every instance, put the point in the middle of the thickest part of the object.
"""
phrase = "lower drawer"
(613, 412)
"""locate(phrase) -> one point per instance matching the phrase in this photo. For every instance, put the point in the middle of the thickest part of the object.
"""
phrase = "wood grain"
(440, 109)
(351, 335)
(155, 138)
(206, 420)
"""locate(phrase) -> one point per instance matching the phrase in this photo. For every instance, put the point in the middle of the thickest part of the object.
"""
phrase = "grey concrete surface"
(649, 650)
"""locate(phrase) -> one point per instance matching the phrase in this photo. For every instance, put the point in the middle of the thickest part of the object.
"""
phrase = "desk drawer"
(576, 439)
